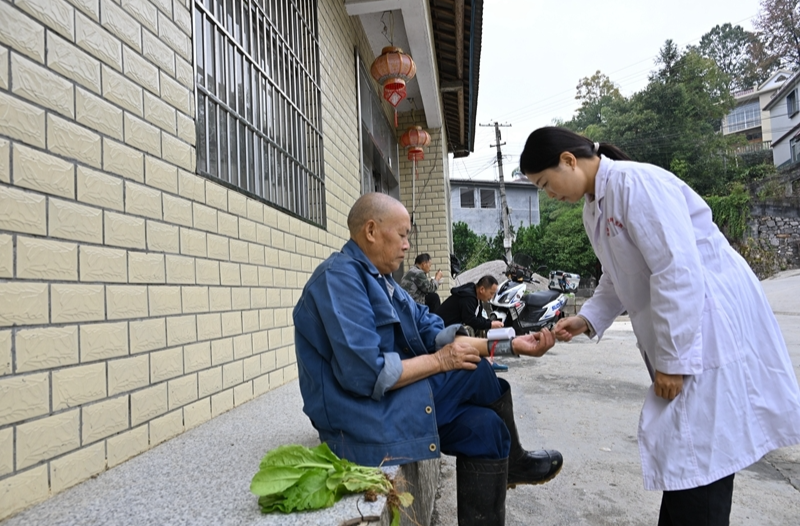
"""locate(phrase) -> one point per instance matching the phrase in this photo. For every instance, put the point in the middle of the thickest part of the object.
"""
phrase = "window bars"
(258, 100)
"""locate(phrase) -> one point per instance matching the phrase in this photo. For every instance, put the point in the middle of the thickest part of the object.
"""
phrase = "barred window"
(258, 100)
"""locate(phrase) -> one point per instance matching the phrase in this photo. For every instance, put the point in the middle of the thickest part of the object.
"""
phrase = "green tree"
(472, 249)
(779, 23)
(673, 122)
(464, 242)
(595, 93)
(738, 54)
(559, 241)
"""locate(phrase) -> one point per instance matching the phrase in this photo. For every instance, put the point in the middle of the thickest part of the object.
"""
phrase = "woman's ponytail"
(545, 146)
(612, 152)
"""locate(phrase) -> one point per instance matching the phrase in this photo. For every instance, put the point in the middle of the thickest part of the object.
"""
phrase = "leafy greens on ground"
(296, 478)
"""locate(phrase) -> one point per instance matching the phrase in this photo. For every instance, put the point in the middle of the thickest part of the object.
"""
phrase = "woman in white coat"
(724, 392)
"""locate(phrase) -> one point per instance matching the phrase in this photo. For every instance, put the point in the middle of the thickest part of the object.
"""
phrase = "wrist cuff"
(500, 347)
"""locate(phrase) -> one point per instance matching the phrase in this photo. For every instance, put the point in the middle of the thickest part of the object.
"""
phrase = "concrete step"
(202, 477)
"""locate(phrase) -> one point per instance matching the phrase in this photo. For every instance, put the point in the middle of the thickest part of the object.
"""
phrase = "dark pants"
(467, 427)
(704, 506)
(433, 301)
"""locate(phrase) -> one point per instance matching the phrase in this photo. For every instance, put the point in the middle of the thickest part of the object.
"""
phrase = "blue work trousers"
(467, 426)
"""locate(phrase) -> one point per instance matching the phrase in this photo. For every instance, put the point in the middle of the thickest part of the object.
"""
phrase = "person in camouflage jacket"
(422, 288)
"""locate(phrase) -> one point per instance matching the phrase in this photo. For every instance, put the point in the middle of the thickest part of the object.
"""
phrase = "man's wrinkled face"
(425, 266)
(391, 240)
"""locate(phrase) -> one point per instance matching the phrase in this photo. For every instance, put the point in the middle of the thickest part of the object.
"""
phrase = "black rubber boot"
(481, 491)
(524, 467)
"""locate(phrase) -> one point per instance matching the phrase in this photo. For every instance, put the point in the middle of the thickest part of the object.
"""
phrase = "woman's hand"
(457, 355)
(566, 328)
(668, 386)
(535, 344)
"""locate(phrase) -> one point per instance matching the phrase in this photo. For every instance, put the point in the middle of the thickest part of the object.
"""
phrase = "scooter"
(523, 311)
(564, 281)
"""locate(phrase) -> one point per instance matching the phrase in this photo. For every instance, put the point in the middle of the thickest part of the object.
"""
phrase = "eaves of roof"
(457, 34)
(787, 86)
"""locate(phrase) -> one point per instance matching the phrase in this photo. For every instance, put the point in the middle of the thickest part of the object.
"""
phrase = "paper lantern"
(392, 69)
(415, 139)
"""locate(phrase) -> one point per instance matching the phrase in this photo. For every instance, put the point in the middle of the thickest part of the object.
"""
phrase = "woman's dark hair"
(545, 145)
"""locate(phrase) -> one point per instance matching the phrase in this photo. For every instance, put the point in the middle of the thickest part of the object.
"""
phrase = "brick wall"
(434, 230)
(137, 299)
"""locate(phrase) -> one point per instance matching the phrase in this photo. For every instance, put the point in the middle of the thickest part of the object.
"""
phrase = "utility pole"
(507, 239)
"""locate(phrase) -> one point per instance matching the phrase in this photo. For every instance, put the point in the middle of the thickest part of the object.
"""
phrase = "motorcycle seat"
(540, 298)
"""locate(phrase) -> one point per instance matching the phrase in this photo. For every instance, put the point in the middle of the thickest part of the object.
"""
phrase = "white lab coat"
(698, 310)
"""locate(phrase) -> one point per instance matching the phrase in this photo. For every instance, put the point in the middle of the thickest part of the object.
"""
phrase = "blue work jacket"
(350, 338)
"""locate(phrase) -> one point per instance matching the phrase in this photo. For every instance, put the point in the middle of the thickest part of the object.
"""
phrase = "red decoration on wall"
(392, 69)
(415, 139)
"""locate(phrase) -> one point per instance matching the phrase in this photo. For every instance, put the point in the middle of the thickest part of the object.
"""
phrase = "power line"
(507, 240)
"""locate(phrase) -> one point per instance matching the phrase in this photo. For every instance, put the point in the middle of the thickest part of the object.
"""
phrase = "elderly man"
(384, 382)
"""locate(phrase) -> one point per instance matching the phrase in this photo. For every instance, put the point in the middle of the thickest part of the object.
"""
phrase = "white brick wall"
(431, 211)
(139, 299)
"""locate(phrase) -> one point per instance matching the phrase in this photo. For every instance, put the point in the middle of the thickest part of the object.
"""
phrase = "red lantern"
(392, 69)
(414, 139)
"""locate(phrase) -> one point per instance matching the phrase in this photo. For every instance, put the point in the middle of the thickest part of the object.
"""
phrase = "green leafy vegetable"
(295, 478)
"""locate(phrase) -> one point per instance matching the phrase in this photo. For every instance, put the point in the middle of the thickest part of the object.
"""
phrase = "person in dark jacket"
(464, 305)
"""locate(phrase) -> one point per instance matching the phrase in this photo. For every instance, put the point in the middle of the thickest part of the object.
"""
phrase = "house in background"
(171, 172)
(749, 118)
(784, 113)
(477, 203)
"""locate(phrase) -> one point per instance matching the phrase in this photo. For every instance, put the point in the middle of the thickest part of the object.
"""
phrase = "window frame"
(462, 193)
(792, 104)
(794, 149)
(258, 115)
(743, 117)
(494, 198)
(379, 169)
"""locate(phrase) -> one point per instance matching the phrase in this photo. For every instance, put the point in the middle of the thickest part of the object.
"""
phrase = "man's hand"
(497, 324)
(535, 344)
(457, 355)
(668, 386)
(438, 275)
(566, 328)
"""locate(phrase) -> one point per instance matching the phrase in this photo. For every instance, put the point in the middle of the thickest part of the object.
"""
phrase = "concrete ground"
(584, 399)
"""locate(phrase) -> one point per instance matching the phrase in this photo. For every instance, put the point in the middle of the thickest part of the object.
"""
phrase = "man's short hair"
(422, 258)
(486, 282)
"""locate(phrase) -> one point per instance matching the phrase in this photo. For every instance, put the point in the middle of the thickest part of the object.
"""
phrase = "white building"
(750, 117)
(784, 114)
(477, 203)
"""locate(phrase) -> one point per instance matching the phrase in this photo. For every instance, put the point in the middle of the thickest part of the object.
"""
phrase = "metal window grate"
(258, 100)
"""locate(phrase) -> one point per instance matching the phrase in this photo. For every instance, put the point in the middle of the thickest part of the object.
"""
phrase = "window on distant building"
(794, 149)
(792, 106)
(258, 100)
(743, 117)
(487, 199)
(467, 198)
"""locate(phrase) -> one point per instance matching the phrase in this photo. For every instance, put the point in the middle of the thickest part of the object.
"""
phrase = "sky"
(534, 52)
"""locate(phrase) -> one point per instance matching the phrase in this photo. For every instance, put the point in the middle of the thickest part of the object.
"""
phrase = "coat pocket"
(626, 255)
(665, 442)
